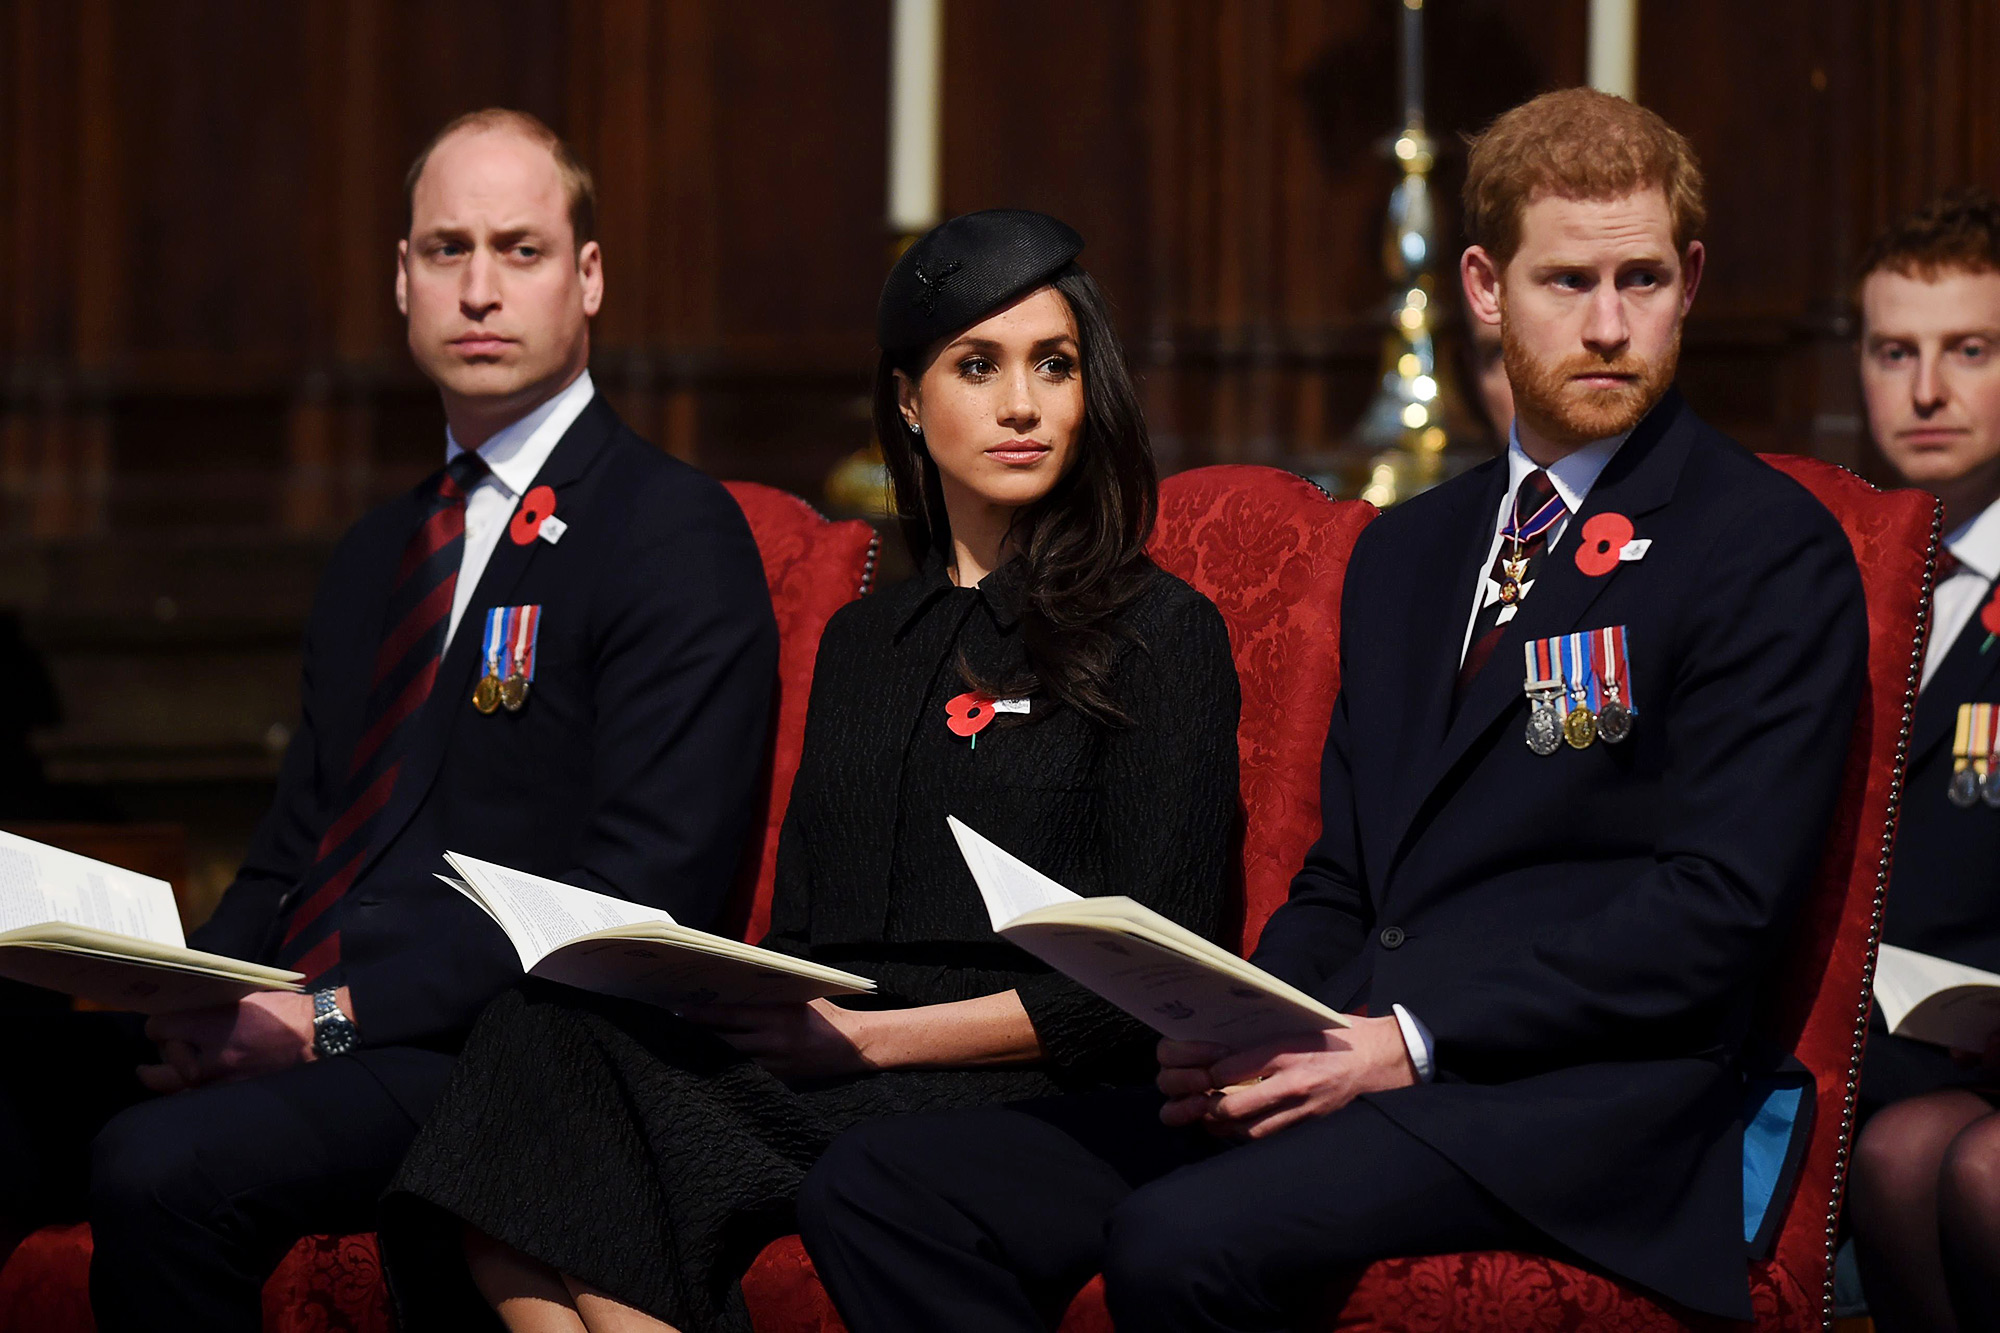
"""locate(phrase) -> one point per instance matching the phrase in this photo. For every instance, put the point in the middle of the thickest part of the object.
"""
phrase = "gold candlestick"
(1415, 431)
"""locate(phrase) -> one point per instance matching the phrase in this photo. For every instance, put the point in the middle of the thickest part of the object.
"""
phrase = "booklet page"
(39, 884)
(1936, 1000)
(541, 915)
(1175, 995)
(1010, 886)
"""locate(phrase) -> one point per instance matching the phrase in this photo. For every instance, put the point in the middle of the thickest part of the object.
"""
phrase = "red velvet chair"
(1270, 549)
(333, 1284)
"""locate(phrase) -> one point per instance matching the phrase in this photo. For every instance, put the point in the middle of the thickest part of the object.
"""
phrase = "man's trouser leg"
(983, 1221)
(1249, 1240)
(196, 1197)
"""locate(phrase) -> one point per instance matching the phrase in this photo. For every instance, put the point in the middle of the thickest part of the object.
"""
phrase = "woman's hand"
(793, 1041)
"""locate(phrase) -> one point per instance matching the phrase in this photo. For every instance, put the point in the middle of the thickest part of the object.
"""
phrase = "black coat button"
(1392, 937)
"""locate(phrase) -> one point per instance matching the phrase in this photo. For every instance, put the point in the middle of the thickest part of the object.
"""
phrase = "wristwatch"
(333, 1031)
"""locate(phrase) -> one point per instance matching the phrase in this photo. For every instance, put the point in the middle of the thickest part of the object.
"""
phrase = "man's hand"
(259, 1034)
(1255, 1093)
(793, 1041)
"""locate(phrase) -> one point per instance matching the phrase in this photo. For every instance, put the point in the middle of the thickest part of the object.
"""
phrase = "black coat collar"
(1003, 592)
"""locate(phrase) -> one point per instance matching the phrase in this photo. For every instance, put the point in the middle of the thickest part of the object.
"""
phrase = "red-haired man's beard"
(1552, 399)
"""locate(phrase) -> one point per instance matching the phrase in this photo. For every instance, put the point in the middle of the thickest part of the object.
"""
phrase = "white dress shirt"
(1976, 543)
(513, 457)
(1572, 476)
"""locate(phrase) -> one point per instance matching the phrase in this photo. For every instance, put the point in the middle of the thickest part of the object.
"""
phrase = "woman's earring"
(916, 428)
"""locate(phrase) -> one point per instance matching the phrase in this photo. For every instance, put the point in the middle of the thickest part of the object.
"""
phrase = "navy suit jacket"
(1944, 886)
(1944, 890)
(1584, 933)
(631, 770)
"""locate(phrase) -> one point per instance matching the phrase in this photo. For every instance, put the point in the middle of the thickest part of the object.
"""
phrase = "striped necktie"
(406, 666)
(1537, 509)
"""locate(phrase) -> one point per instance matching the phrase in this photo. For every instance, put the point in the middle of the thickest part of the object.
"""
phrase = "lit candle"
(915, 109)
(1614, 47)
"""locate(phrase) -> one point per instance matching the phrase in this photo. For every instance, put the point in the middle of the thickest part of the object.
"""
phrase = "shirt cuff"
(1418, 1038)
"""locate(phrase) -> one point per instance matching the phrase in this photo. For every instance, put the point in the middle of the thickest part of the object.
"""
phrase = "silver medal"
(1964, 788)
(1989, 787)
(1614, 722)
(1545, 733)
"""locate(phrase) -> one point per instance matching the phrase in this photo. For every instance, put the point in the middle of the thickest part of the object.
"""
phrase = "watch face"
(333, 1031)
(333, 1036)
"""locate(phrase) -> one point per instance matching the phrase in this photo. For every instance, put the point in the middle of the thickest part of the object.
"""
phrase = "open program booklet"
(1163, 974)
(599, 943)
(109, 936)
(1936, 1000)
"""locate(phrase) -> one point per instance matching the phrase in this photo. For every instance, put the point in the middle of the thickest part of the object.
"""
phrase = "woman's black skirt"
(635, 1152)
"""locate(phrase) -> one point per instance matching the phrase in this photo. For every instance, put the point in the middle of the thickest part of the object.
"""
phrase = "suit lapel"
(1443, 573)
(1960, 678)
(1639, 480)
(510, 560)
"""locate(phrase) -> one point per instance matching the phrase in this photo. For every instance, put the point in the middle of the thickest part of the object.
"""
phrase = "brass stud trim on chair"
(1864, 1002)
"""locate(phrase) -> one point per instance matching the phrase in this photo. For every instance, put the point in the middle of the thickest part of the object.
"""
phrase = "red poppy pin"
(967, 716)
(1604, 536)
(538, 504)
(1989, 618)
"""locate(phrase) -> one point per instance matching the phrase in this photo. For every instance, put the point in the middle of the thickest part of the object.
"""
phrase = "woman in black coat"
(599, 1164)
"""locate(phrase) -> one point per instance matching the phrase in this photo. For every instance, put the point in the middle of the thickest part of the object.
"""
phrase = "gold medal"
(1969, 774)
(486, 694)
(1580, 727)
(514, 692)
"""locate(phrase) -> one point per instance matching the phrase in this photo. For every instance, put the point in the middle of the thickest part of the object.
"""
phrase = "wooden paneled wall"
(201, 371)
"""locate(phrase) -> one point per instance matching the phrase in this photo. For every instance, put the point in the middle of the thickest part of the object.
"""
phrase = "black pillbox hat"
(962, 270)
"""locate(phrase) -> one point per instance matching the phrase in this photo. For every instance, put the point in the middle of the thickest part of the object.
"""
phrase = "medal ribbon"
(1541, 672)
(527, 622)
(1558, 672)
(1624, 651)
(1982, 735)
(1538, 523)
(1577, 666)
(1961, 740)
(1613, 668)
(495, 638)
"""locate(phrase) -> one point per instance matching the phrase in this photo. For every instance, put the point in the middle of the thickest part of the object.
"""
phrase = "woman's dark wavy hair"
(1084, 542)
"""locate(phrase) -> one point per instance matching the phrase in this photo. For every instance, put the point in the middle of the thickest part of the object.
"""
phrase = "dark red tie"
(406, 665)
(1947, 565)
(1537, 509)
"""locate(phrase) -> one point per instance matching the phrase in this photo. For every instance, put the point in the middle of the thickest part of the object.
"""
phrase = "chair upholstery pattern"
(1270, 550)
(333, 1284)
(813, 568)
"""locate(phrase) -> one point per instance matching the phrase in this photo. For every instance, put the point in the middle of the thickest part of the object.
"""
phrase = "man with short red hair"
(1925, 1202)
(1596, 698)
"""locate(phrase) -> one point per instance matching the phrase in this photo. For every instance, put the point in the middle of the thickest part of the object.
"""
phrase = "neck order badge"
(508, 649)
